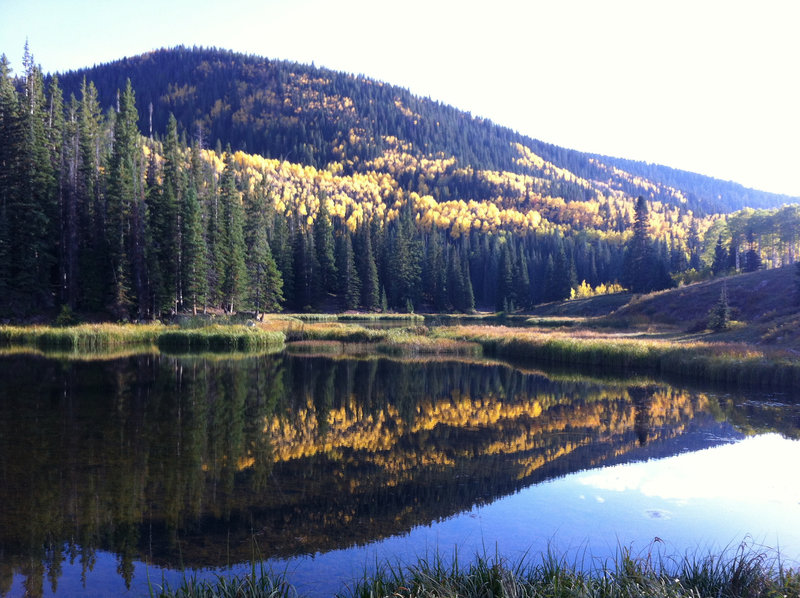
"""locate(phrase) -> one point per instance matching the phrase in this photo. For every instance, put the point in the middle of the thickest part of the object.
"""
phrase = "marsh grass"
(746, 573)
(261, 584)
(719, 363)
(413, 340)
(361, 317)
(99, 338)
(742, 573)
(220, 338)
(84, 337)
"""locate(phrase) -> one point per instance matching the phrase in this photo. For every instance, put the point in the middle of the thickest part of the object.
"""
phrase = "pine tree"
(194, 264)
(350, 282)
(720, 263)
(283, 245)
(752, 259)
(122, 204)
(326, 281)
(233, 284)
(505, 281)
(562, 277)
(92, 256)
(304, 269)
(266, 284)
(66, 211)
(644, 268)
(167, 226)
(404, 265)
(720, 315)
(368, 272)
(10, 148)
(34, 215)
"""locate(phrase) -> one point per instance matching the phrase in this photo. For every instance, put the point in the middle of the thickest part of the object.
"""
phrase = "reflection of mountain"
(189, 460)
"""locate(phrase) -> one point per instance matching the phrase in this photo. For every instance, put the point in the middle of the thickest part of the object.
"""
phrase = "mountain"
(317, 117)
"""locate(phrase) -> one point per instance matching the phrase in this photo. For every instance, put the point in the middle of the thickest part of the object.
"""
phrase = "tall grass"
(744, 574)
(392, 341)
(102, 337)
(261, 585)
(360, 316)
(220, 338)
(725, 363)
(84, 337)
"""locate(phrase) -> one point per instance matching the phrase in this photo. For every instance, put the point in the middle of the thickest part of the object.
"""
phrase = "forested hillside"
(356, 196)
(316, 117)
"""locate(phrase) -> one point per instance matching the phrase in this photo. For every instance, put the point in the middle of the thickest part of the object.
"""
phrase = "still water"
(120, 473)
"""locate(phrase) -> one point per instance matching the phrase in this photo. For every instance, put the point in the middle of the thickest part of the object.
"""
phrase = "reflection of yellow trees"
(540, 429)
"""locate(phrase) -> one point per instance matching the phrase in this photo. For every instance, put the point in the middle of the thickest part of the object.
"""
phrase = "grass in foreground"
(743, 574)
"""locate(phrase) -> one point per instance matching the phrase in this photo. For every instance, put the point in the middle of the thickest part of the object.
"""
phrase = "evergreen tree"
(266, 284)
(266, 293)
(233, 285)
(560, 279)
(92, 256)
(304, 270)
(752, 259)
(720, 315)
(194, 264)
(283, 253)
(435, 275)
(349, 281)
(368, 272)
(326, 281)
(720, 263)
(34, 214)
(10, 149)
(693, 245)
(644, 268)
(506, 300)
(122, 200)
(404, 264)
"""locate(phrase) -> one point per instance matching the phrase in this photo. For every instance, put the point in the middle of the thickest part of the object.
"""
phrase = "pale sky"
(707, 86)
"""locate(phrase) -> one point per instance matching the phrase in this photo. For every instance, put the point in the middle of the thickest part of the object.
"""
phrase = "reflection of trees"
(153, 456)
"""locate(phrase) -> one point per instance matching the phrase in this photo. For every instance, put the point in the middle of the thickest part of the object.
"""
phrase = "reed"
(84, 337)
(743, 574)
(721, 363)
(88, 338)
(220, 338)
(261, 585)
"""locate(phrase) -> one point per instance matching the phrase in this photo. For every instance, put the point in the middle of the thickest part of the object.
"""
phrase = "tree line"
(101, 219)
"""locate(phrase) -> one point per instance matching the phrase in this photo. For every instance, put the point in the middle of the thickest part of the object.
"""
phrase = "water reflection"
(185, 461)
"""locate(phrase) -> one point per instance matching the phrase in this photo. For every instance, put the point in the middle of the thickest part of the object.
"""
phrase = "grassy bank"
(719, 363)
(361, 317)
(84, 337)
(104, 337)
(414, 340)
(743, 574)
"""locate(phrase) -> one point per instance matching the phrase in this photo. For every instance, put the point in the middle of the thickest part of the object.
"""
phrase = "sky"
(703, 85)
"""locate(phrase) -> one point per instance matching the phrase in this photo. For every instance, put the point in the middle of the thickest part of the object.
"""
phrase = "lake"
(118, 473)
